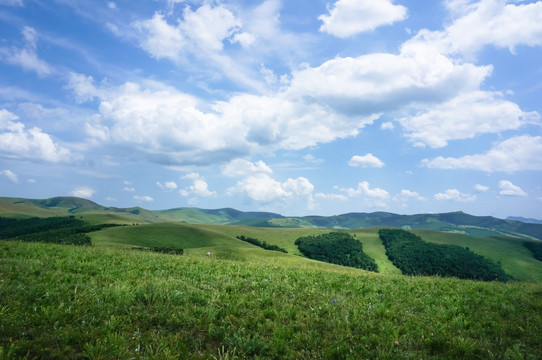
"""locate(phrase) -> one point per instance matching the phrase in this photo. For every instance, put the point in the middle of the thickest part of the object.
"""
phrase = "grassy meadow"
(111, 303)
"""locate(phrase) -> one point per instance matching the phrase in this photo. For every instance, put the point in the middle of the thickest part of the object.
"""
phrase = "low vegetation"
(413, 256)
(100, 303)
(161, 250)
(263, 245)
(336, 248)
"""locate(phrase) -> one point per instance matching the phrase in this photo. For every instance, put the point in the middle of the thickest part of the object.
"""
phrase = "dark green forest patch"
(413, 256)
(59, 230)
(535, 247)
(336, 248)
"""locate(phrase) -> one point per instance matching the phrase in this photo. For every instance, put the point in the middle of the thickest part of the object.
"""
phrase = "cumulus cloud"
(83, 192)
(374, 83)
(372, 197)
(368, 160)
(455, 195)
(509, 189)
(168, 185)
(261, 187)
(199, 186)
(407, 195)
(480, 188)
(350, 17)
(464, 117)
(27, 57)
(10, 175)
(518, 153)
(144, 198)
(241, 167)
(500, 23)
(20, 143)
(192, 32)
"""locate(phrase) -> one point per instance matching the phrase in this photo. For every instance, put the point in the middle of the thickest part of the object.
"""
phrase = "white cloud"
(83, 192)
(128, 189)
(112, 5)
(480, 188)
(199, 186)
(27, 57)
(261, 187)
(500, 23)
(372, 197)
(368, 160)
(351, 17)
(168, 185)
(374, 83)
(388, 125)
(518, 153)
(241, 167)
(509, 189)
(10, 175)
(464, 117)
(192, 33)
(312, 159)
(145, 198)
(319, 105)
(406, 195)
(455, 195)
(19, 143)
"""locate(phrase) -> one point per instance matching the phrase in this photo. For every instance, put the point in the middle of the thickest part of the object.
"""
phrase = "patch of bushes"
(535, 247)
(336, 248)
(261, 244)
(161, 250)
(413, 256)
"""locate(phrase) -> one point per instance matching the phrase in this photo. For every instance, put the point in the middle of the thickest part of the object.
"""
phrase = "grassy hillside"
(107, 303)
(220, 240)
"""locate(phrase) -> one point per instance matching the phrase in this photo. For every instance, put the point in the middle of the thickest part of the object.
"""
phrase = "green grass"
(59, 302)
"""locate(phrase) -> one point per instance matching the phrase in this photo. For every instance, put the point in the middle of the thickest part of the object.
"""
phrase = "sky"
(296, 107)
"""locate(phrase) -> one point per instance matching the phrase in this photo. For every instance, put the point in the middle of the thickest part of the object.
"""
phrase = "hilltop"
(457, 222)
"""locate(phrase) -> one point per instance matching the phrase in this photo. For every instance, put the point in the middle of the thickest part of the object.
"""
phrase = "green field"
(228, 299)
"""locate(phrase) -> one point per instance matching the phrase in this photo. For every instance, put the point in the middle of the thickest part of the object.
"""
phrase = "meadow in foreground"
(98, 303)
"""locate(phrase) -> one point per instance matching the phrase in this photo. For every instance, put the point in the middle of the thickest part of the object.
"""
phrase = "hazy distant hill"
(525, 220)
(459, 222)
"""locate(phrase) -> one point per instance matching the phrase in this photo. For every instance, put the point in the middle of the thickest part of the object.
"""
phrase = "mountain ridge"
(457, 221)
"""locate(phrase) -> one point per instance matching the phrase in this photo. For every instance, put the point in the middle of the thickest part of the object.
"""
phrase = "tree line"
(336, 248)
(413, 256)
(262, 244)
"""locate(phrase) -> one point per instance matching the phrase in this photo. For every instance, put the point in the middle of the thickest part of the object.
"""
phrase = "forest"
(336, 248)
(413, 256)
(535, 247)
(59, 230)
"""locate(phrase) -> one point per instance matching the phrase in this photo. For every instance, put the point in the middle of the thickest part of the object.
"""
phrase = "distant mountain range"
(459, 222)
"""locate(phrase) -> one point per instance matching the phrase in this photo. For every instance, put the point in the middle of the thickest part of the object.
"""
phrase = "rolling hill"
(457, 222)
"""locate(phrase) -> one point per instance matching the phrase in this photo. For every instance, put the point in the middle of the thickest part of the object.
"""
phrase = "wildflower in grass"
(333, 302)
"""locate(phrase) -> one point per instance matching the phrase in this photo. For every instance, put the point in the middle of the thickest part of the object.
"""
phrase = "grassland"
(72, 302)
(243, 302)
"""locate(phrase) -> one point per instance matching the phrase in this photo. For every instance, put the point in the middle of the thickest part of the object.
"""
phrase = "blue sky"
(297, 107)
